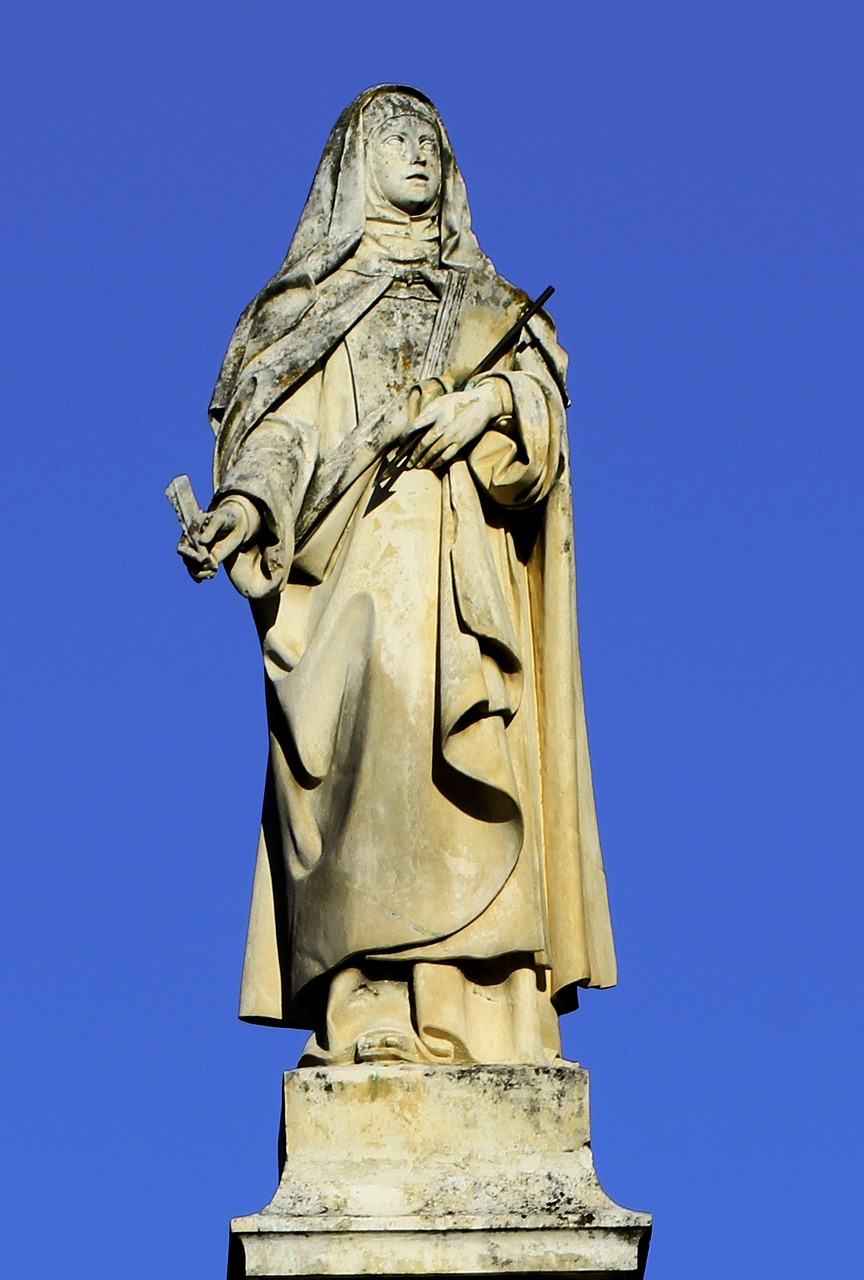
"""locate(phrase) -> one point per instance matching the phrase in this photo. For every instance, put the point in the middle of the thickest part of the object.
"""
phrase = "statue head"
(388, 156)
(403, 151)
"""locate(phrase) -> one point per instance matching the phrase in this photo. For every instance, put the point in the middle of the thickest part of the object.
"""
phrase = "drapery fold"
(494, 535)
(428, 800)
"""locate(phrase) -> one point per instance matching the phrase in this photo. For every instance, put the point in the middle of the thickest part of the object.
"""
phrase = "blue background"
(689, 176)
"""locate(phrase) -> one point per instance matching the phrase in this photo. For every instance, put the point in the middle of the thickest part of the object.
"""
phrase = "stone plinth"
(410, 1170)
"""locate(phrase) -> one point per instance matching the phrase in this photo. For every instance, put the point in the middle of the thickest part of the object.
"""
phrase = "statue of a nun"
(429, 885)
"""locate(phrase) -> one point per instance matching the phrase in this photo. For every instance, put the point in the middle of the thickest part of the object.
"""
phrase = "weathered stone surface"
(392, 494)
(429, 884)
(438, 1171)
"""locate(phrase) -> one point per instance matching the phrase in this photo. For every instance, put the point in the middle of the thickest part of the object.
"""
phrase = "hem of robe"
(390, 1011)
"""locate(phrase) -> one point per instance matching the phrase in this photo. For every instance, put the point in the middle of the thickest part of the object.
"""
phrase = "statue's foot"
(386, 1046)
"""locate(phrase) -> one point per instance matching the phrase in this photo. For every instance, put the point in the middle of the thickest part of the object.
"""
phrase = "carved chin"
(415, 199)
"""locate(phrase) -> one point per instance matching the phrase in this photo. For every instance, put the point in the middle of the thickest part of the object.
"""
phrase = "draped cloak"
(429, 795)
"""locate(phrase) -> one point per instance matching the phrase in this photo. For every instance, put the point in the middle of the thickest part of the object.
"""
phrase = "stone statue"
(429, 885)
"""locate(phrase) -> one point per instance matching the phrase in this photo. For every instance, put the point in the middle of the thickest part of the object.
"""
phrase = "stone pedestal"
(410, 1170)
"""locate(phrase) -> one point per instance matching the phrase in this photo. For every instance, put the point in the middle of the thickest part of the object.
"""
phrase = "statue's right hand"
(223, 531)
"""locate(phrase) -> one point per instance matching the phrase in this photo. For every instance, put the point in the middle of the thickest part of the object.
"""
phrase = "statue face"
(405, 158)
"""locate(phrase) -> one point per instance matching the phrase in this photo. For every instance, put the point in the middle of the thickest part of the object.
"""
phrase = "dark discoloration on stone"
(487, 1163)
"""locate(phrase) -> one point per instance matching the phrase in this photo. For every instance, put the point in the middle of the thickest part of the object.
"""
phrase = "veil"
(292, 318)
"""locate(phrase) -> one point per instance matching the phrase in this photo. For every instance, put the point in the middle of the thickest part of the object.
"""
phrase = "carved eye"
(428, 144)
(394, 140)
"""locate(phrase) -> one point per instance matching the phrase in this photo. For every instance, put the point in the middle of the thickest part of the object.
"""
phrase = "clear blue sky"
(689, 176)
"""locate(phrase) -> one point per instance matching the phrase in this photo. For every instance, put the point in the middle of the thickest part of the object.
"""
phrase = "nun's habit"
(429, 884)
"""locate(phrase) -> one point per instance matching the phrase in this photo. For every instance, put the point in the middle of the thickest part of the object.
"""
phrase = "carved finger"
(424, 444)
(430, 449)
(433, 456)
(428, 418)
(450, 453)
(429, 391)
(219, 524)
(209, 531)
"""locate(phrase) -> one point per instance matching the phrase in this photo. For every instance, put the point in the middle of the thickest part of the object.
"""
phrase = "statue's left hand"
(454, 421)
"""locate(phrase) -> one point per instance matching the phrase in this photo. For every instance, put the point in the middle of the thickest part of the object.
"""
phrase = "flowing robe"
(429, 797)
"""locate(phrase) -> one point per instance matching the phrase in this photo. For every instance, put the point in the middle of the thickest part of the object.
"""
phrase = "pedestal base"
(402, 1171)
